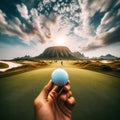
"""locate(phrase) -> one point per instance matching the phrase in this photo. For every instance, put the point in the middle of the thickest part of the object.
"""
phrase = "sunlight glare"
(60, 41)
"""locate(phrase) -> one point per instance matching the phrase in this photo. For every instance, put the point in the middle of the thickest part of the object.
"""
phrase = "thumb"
(46, 90)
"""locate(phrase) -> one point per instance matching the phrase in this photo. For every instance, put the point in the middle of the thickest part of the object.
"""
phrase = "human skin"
(54, 103)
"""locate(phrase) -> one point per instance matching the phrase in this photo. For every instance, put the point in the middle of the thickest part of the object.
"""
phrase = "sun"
(60, 41)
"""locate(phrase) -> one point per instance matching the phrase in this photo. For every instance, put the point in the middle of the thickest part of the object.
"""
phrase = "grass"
(106, 68)
(3, 65)
(97, 94)
(28, 66)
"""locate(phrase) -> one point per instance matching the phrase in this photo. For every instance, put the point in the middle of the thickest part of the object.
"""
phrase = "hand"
(54, 103)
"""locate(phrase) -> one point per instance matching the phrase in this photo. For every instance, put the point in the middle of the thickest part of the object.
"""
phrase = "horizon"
(29, 27)
(86, 57)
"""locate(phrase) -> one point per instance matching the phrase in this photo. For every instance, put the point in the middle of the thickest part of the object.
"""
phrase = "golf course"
(97, 95)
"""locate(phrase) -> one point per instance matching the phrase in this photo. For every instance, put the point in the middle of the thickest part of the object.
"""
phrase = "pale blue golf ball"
(59, 77)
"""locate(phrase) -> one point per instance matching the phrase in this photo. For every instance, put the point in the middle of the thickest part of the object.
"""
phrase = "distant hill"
(26, 57)
(56, 52)
(62, 52)
(79, 55)
(108, 56)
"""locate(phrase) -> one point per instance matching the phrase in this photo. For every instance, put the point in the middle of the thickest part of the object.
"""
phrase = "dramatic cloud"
(23, 10)
(37, 23)
(107, 38)
(107, 32)
(2, 18)
(110, 19)
(96, 22)
(32, 26)
(112, 36)
(104, 39)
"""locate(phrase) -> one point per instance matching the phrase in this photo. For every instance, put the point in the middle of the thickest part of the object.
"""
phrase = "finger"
(66, 88)
(71, 102)
(57, 89)
(54, 92)
(65, 96)
(68, 82)
(46, 90)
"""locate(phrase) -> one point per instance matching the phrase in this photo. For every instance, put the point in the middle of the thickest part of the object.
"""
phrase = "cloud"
(53, 0)
(46, 2)
(32, 27)
(82, 33)
(34, 24)
(9, 27)
(112, 36)
(23, 10)
(110, 19)
(51, 18)
(92, 6)
(88, 10)
(89, 47)
(2, 18)
(104, 39)
(107, 32)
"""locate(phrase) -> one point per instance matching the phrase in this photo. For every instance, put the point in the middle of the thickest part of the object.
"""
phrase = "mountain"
(108, 56)
(79, 55)
(57, 52)
(26, 57)
(62, 52)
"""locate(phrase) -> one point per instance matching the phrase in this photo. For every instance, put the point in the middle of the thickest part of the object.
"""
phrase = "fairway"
(97, 94)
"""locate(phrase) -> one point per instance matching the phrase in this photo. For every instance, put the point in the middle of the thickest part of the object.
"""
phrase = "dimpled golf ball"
(59, 77)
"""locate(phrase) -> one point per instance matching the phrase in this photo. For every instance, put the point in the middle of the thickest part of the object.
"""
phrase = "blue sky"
(27, 27)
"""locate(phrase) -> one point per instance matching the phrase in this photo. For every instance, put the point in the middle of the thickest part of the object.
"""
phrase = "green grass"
(97, 94)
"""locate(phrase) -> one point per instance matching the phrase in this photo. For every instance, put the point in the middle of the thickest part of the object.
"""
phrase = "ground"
(97, 94)
(3, 65)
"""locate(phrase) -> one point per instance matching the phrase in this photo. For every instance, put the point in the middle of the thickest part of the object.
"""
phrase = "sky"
(28, 27)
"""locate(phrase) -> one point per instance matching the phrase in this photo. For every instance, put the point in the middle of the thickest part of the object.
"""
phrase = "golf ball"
(59, 77)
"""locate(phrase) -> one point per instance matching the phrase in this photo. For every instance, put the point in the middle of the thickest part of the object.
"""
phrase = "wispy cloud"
(107, 32)
(109, 37)
(52, 18)
(32, 26)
